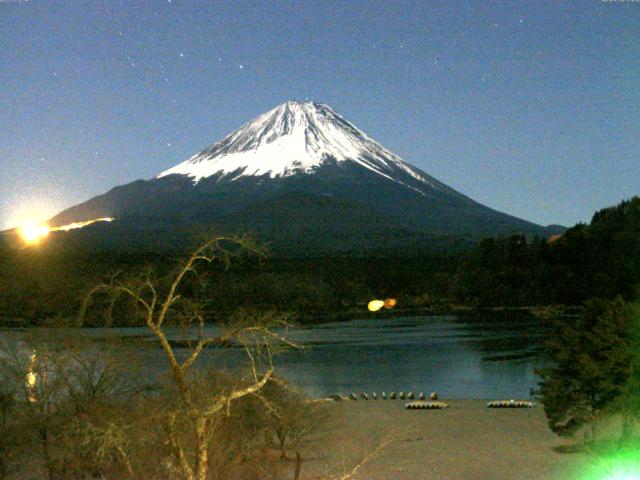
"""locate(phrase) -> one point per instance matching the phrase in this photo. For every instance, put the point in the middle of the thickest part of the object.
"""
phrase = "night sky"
(532, 108)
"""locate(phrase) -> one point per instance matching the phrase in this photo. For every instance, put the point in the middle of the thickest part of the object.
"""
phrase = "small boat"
(511, 404)
(422, 405)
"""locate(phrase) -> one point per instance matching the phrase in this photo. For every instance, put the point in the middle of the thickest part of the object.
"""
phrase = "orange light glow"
(390, 303)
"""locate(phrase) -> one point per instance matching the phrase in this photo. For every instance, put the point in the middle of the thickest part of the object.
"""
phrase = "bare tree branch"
(158, 305)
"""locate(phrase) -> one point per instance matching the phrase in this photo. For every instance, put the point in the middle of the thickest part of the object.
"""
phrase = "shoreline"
(305, 320)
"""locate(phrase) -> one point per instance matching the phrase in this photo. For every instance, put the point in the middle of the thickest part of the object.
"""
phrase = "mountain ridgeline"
(303, 179)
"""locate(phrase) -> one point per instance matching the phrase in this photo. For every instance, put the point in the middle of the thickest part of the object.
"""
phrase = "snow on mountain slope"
(297, 137)
(299, 164)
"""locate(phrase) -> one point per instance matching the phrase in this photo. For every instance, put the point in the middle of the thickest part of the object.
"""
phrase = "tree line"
(596, 260)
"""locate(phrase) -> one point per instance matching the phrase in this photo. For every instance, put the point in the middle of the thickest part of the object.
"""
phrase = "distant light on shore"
(375, 305)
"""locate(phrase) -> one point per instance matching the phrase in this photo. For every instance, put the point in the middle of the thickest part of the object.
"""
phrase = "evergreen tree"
(628, 403)
(593, 360)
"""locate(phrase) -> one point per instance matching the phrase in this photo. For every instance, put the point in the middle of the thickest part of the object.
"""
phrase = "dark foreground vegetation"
(598, 260)
(71, 411)
(595, 371)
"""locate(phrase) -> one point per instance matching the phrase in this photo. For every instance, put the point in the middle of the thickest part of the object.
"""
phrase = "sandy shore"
(466, 441)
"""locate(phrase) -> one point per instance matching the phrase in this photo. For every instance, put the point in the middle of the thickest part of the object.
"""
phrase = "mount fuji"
(303, 178)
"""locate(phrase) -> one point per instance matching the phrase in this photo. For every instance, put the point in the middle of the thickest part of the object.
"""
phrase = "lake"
(458, 357)
(472, 356)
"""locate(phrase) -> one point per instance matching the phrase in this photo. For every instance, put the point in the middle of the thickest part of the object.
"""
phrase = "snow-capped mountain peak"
(294, 137)
(302, 177)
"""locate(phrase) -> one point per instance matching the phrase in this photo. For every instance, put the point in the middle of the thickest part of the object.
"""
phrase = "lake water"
(458, 358)
(471, 356)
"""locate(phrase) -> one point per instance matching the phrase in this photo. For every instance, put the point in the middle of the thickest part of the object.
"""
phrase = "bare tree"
(40, 401)
(296, 421)
(160, 305)
(58, 388)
